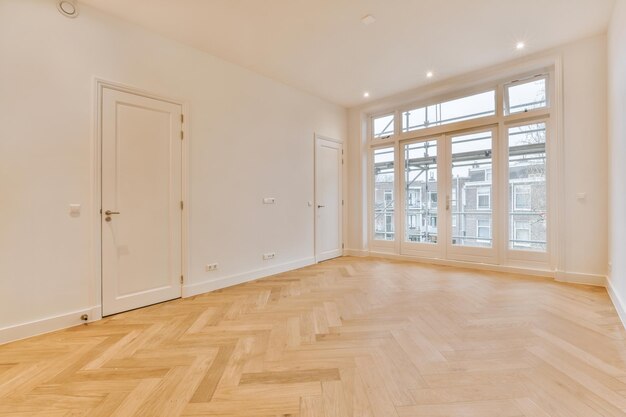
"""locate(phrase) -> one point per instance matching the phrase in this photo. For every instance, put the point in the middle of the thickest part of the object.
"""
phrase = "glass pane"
(527, 187)
(420, 179)
(527, 96)
(465, 108)
(470, 203)
(383, 127)
(384, 194)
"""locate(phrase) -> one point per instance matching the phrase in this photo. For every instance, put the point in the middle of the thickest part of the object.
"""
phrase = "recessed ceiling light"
(368, 20)
(366, 94)
(68, 8)
(520, 45)
(429, 74)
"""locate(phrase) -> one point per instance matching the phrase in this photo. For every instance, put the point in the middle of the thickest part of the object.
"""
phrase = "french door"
(450, 196)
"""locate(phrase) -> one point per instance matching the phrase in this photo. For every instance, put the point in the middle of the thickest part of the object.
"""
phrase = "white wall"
(585, 153)
(617, 152)
(250, 137)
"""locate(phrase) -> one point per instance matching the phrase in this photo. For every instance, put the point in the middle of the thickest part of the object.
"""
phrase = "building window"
(522, 234)
(483, 229)
(389, 223)
(483, 198)
(522, 197)
(433, 221)
(414, 197)
(412, 221)
(432, 199)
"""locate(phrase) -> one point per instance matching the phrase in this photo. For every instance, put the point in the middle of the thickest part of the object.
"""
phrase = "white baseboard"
(48, 324)
(465, 264)
(355, 252)
(569, 277)
(618, 302)
(228, 281)
(580, 278)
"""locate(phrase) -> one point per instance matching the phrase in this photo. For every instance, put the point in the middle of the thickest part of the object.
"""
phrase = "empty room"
(312, 208)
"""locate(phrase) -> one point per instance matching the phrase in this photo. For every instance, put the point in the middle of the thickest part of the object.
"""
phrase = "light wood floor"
(349, 337)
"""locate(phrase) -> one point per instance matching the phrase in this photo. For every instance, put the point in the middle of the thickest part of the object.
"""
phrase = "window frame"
(551, 114)
(522, 81)
(479, 194)
(394, 125)
(403, 111)
(517, 244)
(488, 227)
(530, 197)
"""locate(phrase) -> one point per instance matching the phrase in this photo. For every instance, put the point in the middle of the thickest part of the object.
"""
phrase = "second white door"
(328, 199)
(141, 201)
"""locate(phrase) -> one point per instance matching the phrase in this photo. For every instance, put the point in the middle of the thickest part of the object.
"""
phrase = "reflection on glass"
(470, 201)
(384, 194)
(420, 171)
(527, 187)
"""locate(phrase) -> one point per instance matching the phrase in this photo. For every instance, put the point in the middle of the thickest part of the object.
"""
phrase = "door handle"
(447, 202)
(109, 212)
(320, 206)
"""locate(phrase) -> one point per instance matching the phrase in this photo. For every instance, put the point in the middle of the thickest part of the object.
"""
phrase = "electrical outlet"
(210, 267)
(270, 255)
(269, 200)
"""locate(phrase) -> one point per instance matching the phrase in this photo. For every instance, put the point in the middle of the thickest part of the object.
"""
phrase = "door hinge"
(181, 279)
(182, 205)
(342, 202)
(182, 118)
(182, 135)
(342, 246)
(341, 161)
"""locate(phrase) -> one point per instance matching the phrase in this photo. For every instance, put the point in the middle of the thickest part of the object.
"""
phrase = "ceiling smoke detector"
(68, 8)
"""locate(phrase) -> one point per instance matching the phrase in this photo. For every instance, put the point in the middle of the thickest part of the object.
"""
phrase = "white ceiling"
(322, 47)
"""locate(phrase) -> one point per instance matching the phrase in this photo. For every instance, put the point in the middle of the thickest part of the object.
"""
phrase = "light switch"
(269, 200)
(74, 210)
(581, 196)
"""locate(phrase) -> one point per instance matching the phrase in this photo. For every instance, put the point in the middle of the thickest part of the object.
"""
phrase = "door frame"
(96, 183)
(342, 187)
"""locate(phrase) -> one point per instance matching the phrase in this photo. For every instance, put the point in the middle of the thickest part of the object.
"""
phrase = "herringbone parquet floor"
(349, 337)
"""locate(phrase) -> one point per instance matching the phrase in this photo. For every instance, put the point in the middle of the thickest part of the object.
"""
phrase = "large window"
(420, 173)
(527, 187)
(471, 160)
(467, 179)
(384, 183)
(465, 108)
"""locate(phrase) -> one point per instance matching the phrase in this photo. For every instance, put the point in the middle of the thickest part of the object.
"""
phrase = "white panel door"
(328, 199)
(141, 201)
